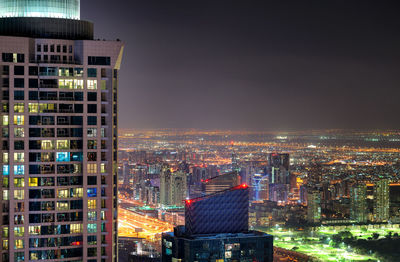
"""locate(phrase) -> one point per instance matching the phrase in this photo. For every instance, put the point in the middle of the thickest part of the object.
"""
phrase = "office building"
(358, 203)
(220, 183)
(381, 200)
(59, 134)
(173, 187)
(313, 205)
(279, 168)
(216, 229)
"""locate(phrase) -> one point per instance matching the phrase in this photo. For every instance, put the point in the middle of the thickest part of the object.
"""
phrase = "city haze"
(254, 65)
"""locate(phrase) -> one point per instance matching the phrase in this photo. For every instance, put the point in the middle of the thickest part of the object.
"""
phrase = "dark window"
(7, 57)
(33, 83)
(46, 48)
(99, 60)
(92, 72)
(92, 96)
(33, 95)
(19, 70)
(39, 48)
(34, 120)
(92, 120)
(92, 180)
(20, 58)
(79, 96)
(64, 48)
(58, 48)
(19, 145)
(76, 120)
(19, 83)
(92, 108)
(18, 95)
(52, 48)
(33, 71)
(78, 108)
(6, 70)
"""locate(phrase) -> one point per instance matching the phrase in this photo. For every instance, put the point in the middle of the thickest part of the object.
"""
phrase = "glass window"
(19, 132)
(63, 156)
(92, 132)
(92, 72)
(6, 194)
(92, 168)
(19, 231)
(62, 193)
(18, 107)
(19, 194)
(19, 120)
(92, 192)
(92, 215)
(103, 168)
(76, 228)
(5, 120)
(19, 157)
(33, 107)
(91, 84)
(33, 181)
(92, 203)
(19, 170)
(6, 170)
(47, 144)
(19, 182)
(19, 244)
(92, 228)
(62, 144)
(5, 158)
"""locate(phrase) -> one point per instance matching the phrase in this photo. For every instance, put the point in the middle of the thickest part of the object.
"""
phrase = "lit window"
(66, 83)
(77, 192)
(63, 156)
(92, 215)
(19, 182)
(5, 120)
(92, 192)
(19, 120)
(62, 193)
(62, 205)
(19, 132)
(76, 228)
(103, 168)
(5, 232)
(5, 244)
(92, 204)
(19, 243)
(5, 158)
(6, 170)
(6, 195)
(33, 107)
(47, 108)
(92, 84)
(19, 157)
(92, 228)
(102, 215)
(62, 144)
(33, 181)
(92, 132)
(78, 84)
(19, 231)
(92, 168)
(19, 194)
(19, 170)
(18, 107)
(47, 144)
(34, 230)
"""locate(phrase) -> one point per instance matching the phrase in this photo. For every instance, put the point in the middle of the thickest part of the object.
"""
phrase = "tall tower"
(381, 200)
(313, 205)
(358, 203)
(59, 134)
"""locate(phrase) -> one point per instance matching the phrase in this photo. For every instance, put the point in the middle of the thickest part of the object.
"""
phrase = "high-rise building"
(358, 203)
(279, 168)
(313, 205)
(220, 183)
(59, 134)
(173, 187)
(381, 200)
(216, 229)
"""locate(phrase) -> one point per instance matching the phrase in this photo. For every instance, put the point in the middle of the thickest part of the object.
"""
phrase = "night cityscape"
(204, 131)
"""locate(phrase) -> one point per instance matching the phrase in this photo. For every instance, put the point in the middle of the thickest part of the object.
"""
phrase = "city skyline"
(235, 64)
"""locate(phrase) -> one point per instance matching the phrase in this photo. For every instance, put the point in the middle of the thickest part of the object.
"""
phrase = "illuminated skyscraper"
(381, 200)
(216, 229)
(173, 187)
(358, 204)
(313, 205)
(220, 183)
(59, 134)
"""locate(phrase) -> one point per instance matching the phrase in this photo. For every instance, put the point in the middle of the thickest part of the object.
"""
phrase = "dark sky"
(254, 64)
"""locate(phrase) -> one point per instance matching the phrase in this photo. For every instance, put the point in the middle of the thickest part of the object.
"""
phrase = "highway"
(131, 224)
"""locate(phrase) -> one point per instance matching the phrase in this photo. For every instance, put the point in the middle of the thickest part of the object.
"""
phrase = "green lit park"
(341, 243)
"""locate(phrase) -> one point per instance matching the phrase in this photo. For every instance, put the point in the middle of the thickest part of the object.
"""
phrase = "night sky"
(254, 64)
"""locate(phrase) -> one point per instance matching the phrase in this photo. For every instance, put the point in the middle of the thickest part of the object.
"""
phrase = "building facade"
(358, 203)
(381, 200)
(59, 135)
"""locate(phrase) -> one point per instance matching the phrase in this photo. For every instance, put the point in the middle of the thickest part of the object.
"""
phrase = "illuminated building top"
(67, 9)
